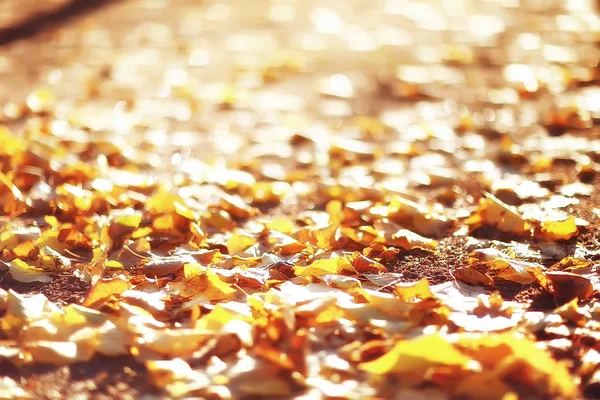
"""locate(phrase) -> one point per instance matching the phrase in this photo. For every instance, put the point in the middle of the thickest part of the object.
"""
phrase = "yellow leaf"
(11, 198)
(104, 289)
(571, 264)
(199, 235)
(283, 225)
(417, 356)
(8, 240)
(41, 99)
(516, 358)
(10, 144)
(335, 210)
(131, 221)
(325, 266)
(141, 232)
(501, 265)
(25, 250)
(235, 206)
(202, 281)
(269, 192)
(419, 289)
(514, 271)
(558, 230)
(184, 211)
(364, 264)
(163, 202)
(23, 272)
(493, 211)
(113, 264)
(164, 223)
(237, 243)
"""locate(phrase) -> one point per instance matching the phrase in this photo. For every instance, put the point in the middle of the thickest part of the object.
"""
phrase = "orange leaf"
(104, 289)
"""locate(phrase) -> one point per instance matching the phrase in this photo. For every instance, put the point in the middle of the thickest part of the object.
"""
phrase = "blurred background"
(234, 66)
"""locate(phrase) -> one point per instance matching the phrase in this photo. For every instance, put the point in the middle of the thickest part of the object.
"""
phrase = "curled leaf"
(567, 286)
(23, 272)
(492, 211)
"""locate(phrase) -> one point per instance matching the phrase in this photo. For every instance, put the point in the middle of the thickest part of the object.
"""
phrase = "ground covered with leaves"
(296, 201)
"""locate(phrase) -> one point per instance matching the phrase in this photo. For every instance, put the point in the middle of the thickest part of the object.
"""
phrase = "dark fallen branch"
(41, 21)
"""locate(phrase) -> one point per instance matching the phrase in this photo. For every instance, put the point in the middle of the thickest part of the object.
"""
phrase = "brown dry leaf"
(473, 277)
(571, 264)
(567, 286)
(11, 198)
(364, 264)
(501, 265)
(483, 386)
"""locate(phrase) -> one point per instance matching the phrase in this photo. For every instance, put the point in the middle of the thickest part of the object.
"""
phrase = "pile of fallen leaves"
(268, 262)
(210, 293)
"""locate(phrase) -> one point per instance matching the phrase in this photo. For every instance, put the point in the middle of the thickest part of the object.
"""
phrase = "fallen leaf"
(324, 266)
(23, 272)
(104, 290)
(201, 281)
(238, 243)
(558, 230)
(570, 264)
(492, 211)
(417, 356)
(411, 291)
(567, 286)
(473, 277)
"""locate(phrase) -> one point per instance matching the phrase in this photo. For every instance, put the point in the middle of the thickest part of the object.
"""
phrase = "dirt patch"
(436, 267)
(63, 288)
(101, 378)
